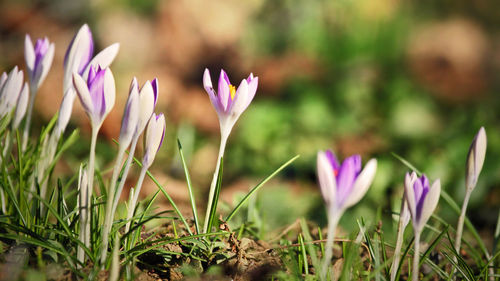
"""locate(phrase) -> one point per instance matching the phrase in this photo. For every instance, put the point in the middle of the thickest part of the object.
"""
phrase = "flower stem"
(416, 257)
(121, 182)
(90, 184)
(333, 220)
(399, 245)
(134, 197)
(460, 226)
(109, 205)
(214, 181)
(27, 125)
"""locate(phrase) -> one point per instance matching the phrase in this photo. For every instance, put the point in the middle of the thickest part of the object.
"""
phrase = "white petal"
(252, 89)
(46, 64)
(362, 183)
(3, 78)
(430, 203)
(11, 90)
(83, 94)
(154, 136)
(146, 101)
(130, 118)
(22, 105)
(207, 84)
(65, 110)
(103, 58)
(240, 99)
(475, 159)
(326, 178)
(109, 90)
(29, 54)
(410, 194)
(78, 49)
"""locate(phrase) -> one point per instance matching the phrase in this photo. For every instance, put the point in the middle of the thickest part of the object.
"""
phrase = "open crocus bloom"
(38, 59)
(343, 185)
(421, 197)
(97, 95)
(229, 101)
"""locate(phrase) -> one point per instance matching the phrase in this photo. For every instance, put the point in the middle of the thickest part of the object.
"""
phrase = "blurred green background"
(374, 77)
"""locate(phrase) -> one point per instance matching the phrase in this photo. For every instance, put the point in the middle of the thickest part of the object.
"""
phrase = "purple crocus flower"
(421, 197)
(155, 133)
(229, 101)
(343, 185)
(130, 118)
(97, 95)
(38, 60)
(148, 97)
(78, 58)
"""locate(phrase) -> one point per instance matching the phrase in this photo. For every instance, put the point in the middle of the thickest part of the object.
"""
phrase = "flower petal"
(109, 91)
(362, 183)
(430, 203)
(409, 194)
(22, 105)
(104, 58)
(326, 178)
(83, 94)
(207, 84)
(29, 53)
(240, 100)
(65, 110)
(223, 93)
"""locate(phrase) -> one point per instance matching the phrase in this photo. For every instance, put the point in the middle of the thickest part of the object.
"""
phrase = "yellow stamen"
(232, 91)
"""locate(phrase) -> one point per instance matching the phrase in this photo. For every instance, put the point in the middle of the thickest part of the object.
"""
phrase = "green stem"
(121, 182)
(90, 183)
(135, 197)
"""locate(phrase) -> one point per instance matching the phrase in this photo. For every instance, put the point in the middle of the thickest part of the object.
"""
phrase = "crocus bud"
(422, 198)
(10, 90)
(38, 59)
(65, 110)
(475, 159)
(22, 105)
(155, 133)
(230, 102)
(130, 118)
(147, 101)
(343, 185)
(97, 95)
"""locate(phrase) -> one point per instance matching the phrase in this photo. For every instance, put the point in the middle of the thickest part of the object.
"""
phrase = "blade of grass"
(257, 187)
(190, 188)
(215, 201)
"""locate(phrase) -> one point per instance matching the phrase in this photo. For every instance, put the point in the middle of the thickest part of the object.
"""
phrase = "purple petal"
(96, 89)
(223, 91)
(333, 161)
(154, 84)
(41, 48)
(346, 177)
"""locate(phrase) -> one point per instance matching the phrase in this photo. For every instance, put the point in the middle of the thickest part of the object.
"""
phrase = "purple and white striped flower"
(229, 101)
(155, 133)
(343, 185)
(422, 198)
(38, 60)
(10, 88)
(97, 95)
(148, 97)
(130, 118)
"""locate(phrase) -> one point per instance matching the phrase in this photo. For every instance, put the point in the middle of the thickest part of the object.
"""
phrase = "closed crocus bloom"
(10, 89)
(130, 118)
(38, 59)
(65, 111)
(475, 159)
(422, 198)
(148, 96)
(155, 133)
(229, 101)
(343, 185)
(22, 105)
(97, 95)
